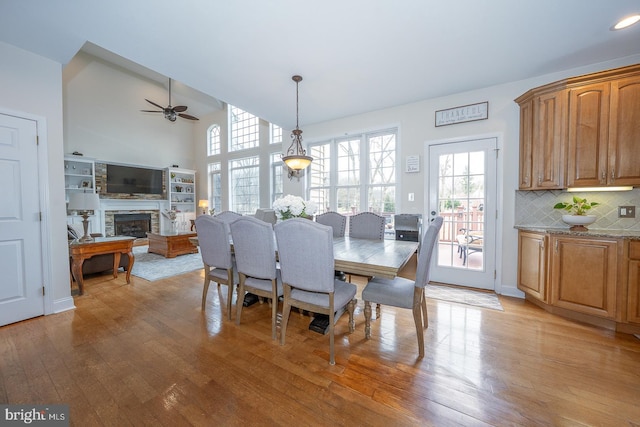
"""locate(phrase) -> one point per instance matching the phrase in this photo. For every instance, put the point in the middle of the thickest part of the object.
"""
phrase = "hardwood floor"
(145, 354)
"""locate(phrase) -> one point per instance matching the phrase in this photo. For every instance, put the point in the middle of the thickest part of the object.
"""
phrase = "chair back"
(334, 220)
(254, 247)
(227, 216)
(366, 225)
(305, 251)
(213, 239)
(426, 251)
(266, 215)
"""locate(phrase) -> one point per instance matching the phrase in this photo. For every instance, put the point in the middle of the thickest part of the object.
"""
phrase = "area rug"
(155, 267)
(464, 296)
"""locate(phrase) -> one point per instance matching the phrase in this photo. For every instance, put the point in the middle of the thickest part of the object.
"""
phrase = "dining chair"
(334, 220)
(404, 293)
(227, 216)
(305, 250)
(366, 225)
(255, 252)
(266, 215)
(215, 249)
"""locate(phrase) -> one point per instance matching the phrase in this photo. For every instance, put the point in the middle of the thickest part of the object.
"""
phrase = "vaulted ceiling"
(354, 55)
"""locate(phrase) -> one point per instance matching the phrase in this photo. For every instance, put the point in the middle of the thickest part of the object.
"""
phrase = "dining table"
(368, 257)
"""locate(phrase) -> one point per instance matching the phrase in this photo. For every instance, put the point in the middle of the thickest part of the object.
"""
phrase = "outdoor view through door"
(462, 191)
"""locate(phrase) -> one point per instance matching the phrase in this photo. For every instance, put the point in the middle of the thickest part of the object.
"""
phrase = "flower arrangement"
(293, 206)
(578, 207)
(170, 214)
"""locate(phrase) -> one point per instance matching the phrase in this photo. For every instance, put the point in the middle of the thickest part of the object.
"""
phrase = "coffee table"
(171, 244)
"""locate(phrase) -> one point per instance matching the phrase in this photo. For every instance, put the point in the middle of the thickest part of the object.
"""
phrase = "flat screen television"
(133, 180)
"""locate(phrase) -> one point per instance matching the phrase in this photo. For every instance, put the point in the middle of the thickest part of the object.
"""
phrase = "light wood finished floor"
(145, 354)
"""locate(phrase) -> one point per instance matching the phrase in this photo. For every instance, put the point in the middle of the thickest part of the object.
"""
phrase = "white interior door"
(462, 189)
(21, 295)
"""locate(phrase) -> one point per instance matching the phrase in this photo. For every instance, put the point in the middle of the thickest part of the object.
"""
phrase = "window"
(215, 186)
(213, 135)
(355, 174)
(275, 134)
(244, 179)
(277, 168)
(245, 129)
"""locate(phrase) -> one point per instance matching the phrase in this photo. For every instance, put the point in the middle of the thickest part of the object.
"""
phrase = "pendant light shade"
(296, 157)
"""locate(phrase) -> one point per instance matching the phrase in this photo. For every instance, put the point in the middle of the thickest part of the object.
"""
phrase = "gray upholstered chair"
(404, 293)
(366, 225)
(226, 216)
(266, 215)
(305, 249)
(255, 253)
(215, 248)
(335, 220)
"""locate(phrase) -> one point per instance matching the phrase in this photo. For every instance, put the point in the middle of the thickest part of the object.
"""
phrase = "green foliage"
(578, 207)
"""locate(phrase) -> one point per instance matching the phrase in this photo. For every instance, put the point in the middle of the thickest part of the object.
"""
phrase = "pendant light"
(296, 157)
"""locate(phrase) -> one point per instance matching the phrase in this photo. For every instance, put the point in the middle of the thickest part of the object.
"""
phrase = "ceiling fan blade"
(153, 103)
(187, 116)
(151, 111)
(180, 108)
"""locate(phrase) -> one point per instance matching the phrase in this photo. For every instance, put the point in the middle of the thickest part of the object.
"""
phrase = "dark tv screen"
(133, 180)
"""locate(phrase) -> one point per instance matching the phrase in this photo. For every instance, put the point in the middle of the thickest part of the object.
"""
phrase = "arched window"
(213, 136)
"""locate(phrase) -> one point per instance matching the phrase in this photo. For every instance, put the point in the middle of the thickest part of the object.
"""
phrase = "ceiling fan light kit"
(170, 113)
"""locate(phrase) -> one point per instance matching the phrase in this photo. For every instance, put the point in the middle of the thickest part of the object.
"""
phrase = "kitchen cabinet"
(583, 275)
(581, 132)
(603, 130)
(633, 283)
(532, 264)
(542, 149)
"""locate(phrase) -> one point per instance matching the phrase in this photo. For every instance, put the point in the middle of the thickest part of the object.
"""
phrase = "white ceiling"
(354, 55)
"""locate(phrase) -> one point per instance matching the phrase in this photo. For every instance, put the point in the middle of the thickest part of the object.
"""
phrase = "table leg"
(76, 269)
(130, 266)
(116, 264)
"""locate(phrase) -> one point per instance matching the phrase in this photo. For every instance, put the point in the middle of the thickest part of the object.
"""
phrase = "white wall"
(417, 130)
(102, 117)
(32, 85)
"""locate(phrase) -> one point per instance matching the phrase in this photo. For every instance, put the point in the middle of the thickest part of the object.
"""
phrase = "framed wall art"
(462, 114)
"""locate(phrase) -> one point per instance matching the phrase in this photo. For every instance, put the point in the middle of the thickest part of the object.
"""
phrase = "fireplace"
(132, 224)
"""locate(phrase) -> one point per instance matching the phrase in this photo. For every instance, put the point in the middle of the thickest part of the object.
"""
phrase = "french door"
(462, 189)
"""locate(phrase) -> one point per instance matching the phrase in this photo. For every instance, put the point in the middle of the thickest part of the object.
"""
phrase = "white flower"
(293, 206)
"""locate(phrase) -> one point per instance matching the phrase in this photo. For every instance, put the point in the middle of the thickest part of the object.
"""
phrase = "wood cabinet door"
(587, 155)
(624, 132)
(633, 282)
(526, 145)
(532, 265)
(549, 146)
(584, 275)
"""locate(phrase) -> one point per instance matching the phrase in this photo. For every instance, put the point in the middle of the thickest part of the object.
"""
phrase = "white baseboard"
(63, 304)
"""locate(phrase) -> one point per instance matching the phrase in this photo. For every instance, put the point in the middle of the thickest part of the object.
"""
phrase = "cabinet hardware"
(556, 246)
(613, 175)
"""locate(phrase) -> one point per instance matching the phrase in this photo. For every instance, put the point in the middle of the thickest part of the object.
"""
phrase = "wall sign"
(413, 164)
(465, 113)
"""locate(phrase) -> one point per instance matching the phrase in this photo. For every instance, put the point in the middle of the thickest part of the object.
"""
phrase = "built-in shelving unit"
(182, 191)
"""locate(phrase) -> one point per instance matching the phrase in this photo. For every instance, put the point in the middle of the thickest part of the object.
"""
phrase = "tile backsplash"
(535, 208)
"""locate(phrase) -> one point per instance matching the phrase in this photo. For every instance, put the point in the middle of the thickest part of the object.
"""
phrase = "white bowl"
(579, 219)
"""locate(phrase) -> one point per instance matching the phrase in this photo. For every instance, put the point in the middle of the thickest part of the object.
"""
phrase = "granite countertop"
(592, 232)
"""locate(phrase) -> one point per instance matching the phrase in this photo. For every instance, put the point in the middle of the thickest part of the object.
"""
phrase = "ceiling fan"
(170, 113)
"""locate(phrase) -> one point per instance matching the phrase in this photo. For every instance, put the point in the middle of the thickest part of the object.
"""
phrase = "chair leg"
(230, 285)
(286, 309)
(425, 317)
(240, 297)
(332, 360)
(205, 289)
(351, 307)
(274, 309)
(367, 319)
(417, 318)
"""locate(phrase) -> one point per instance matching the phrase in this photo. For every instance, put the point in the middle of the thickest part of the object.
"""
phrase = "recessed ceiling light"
(626, 22)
